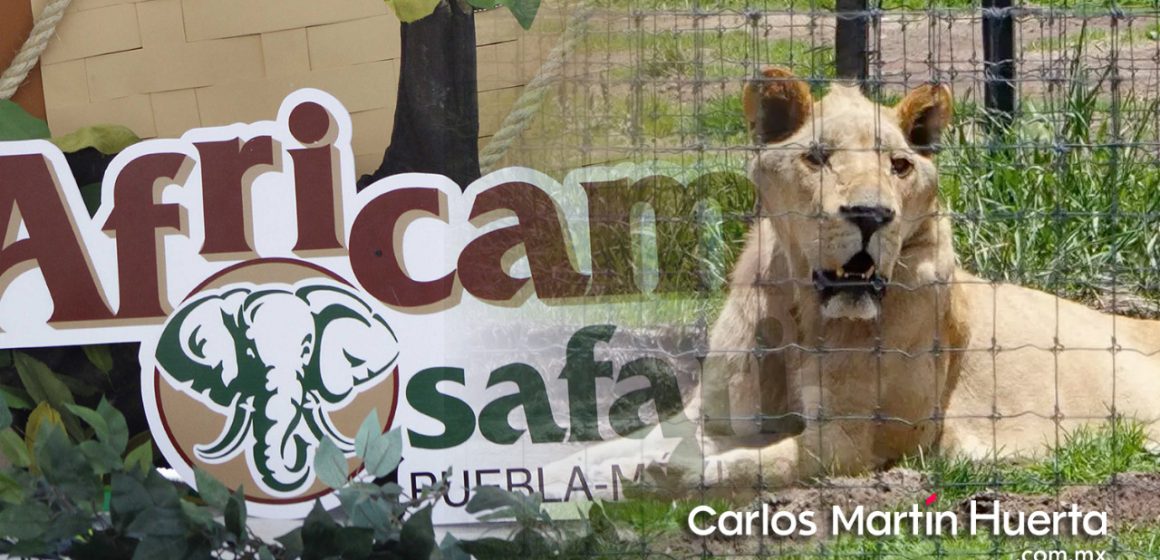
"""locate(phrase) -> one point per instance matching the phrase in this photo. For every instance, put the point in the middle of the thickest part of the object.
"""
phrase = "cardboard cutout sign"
(500, 327)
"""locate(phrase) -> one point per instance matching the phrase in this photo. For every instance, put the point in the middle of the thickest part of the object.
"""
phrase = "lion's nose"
(869, 219)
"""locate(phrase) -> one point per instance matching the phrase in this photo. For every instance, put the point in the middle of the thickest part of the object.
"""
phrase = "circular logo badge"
(256, 367)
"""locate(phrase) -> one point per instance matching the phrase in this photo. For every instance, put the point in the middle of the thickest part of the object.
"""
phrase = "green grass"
(1088, 456)
(1064, 201)
(1074, 41)
(720, 54)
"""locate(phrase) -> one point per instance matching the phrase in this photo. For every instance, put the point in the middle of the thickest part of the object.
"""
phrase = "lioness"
(867, 331)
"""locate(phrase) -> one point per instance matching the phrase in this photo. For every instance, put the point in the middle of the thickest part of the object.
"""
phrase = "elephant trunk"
(282, 436)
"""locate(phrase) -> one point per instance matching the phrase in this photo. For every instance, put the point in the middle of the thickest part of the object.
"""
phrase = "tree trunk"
(437, 115)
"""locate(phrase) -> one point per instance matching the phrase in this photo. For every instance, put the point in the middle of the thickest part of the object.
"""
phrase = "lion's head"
(849, 185)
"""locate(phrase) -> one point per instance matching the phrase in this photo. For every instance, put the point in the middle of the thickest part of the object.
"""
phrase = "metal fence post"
(851, 57)
(999, 60)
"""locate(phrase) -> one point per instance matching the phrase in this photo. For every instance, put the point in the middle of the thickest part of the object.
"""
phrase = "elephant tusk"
(231, 437)
(322, 421)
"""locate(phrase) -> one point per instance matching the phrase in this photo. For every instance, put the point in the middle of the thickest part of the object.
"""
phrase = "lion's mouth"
(857, 277)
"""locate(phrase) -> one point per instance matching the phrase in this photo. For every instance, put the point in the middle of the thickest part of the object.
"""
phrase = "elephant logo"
(277, 361)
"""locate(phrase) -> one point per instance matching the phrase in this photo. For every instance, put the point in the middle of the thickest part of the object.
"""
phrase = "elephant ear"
(198, 345)
(354, 346)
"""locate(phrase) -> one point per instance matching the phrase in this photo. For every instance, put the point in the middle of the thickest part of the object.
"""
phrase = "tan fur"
(950, 361)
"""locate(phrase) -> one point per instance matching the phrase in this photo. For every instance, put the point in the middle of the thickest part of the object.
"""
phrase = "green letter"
(662, 391)
(532, 396)
(581, 370)
(457, 417)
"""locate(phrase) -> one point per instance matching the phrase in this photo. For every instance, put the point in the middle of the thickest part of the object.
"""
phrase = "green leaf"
(11, 490)
(93, 419)
(418, 535)
(108, 139)
(292, 542)
(141, 457)
(199, 516)
(17, 124)
(450, 550)
(264, 553)
(25, 521)
(44, 386)
(13, 448)
(158, 521)
(63, 465)
(133, 497)
(366, 506)
(491, 548)
(523, 10)
(44, 413)
(17, 398)
(381, 453)
(503, 504)
(330, 464)
(151, 548)
(5, 413)
(322, 537)
(210, 489)
(98, 354)
(118, 428)
(101, 456)
(235, 514)
(412, 10)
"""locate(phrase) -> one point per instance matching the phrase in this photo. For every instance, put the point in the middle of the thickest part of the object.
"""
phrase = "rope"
(32, 48)
(535, 91)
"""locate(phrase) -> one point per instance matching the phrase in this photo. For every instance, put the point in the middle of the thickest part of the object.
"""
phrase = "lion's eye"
(901, 166)
(818, 155)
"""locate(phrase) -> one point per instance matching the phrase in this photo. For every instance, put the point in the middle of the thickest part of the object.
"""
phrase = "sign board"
(504, 328)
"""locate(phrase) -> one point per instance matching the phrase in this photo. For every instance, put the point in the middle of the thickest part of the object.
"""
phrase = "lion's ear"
(923, 115)
(776, 105)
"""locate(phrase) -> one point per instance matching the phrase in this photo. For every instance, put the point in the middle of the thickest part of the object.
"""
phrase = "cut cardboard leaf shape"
(17, 124)
(412, 10)
(91, 195)
(108, 139)
(330, 464)
(523, 10)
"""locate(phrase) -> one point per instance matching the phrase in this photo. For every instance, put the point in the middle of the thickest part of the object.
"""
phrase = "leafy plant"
(99, 497)
(535, 535)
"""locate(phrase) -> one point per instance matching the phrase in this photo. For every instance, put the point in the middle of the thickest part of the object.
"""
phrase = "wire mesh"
(1047, 179)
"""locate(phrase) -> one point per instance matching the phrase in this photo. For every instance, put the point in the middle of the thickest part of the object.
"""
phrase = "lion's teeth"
(841, 272)
(870, 272)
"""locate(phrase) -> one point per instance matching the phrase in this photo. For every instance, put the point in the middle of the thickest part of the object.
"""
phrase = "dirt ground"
(912, 47)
